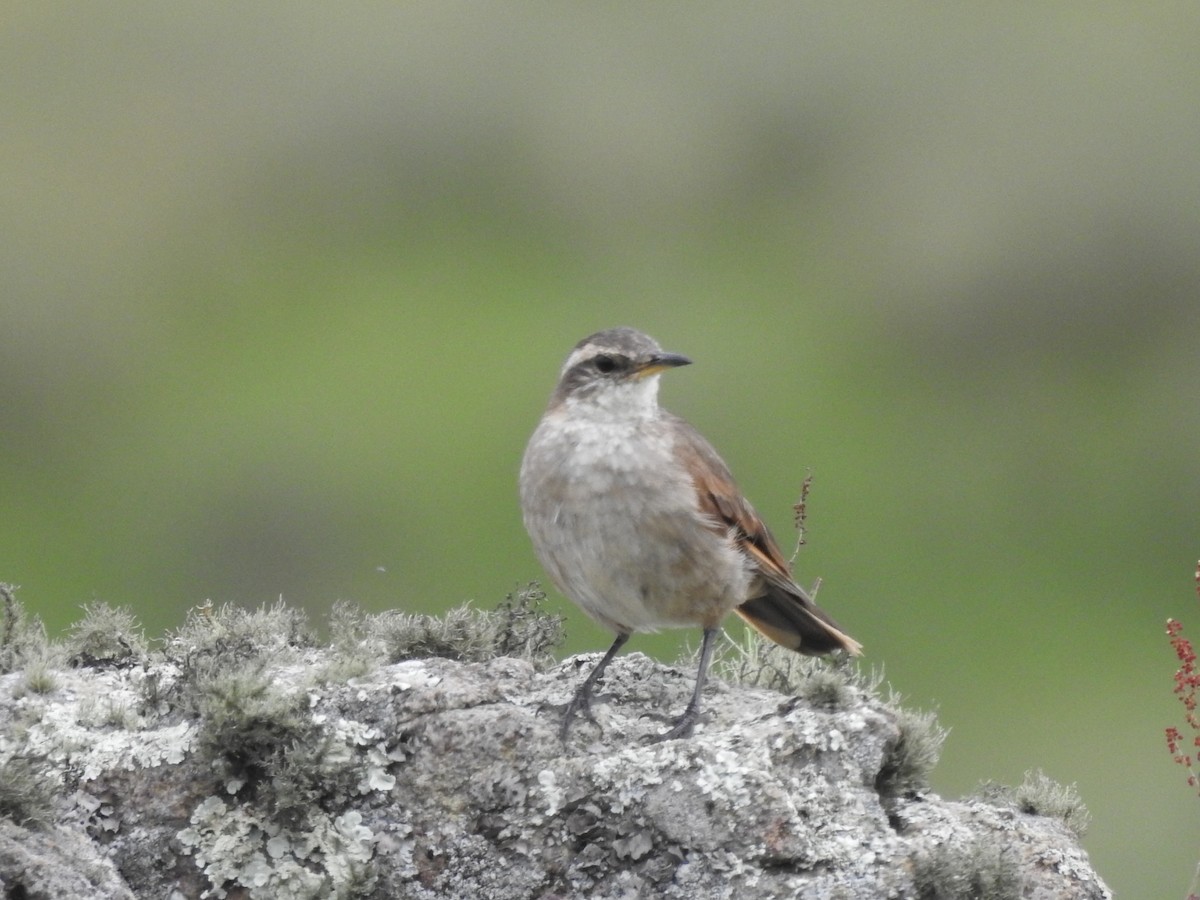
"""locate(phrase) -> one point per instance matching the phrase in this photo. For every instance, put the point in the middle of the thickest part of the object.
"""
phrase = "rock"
(48, 863)
(432, 778)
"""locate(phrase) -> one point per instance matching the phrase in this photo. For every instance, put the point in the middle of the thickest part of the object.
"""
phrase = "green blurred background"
(285, 287)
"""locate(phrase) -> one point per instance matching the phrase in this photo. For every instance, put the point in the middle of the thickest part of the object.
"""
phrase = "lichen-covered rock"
(433, 778)
(49, 863)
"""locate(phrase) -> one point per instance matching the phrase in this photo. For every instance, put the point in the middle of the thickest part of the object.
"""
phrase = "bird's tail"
(792, 620)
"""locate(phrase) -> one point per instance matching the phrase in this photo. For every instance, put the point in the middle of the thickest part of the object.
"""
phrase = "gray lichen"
(518, 627)
(22, 636)
(39, 673)
(982, 868)
(912, 756)
(26, 794)
(212, 634)
(1040, 795)
(105, 636)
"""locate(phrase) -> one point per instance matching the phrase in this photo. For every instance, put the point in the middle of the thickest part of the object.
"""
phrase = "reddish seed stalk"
(1187, 688)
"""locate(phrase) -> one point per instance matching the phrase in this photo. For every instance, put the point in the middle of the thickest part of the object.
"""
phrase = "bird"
(638, 520)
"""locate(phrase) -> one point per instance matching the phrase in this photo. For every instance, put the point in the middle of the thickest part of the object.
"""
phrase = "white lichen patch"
(628, 774)
(724, 774)
(407, 675)
(70, 733)
(551, 791)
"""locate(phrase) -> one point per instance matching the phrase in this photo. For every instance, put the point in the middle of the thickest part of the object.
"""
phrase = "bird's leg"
(583, 695)
(686, 723)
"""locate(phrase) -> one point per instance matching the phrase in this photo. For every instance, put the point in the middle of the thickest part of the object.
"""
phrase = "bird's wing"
(783, 611)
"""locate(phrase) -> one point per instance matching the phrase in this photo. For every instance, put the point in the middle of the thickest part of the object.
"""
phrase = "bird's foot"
(683, 728)
(581, 703)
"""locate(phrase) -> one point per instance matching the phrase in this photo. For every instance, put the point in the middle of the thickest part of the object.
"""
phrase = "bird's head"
(615, 371)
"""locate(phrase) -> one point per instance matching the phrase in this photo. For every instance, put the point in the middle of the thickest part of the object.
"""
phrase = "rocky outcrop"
(231, 770)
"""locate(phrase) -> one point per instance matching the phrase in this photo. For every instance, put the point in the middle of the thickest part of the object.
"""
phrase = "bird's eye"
(605, 364)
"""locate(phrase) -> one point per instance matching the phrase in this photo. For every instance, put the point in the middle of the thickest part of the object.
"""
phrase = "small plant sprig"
(1187, 689)
(800, 516)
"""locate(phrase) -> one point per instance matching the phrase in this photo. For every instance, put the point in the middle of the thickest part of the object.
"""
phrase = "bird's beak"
(660, 362)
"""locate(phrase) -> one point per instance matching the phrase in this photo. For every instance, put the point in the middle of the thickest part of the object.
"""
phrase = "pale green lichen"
(380, 754)
(235, 846)
(79, 735)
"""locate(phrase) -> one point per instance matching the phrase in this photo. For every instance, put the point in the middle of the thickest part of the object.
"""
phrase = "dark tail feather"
(794, 621)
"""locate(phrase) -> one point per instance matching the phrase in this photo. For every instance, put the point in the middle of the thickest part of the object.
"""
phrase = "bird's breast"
(614, 519)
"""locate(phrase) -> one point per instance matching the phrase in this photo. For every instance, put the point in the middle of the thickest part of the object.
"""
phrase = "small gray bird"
(639, 522)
